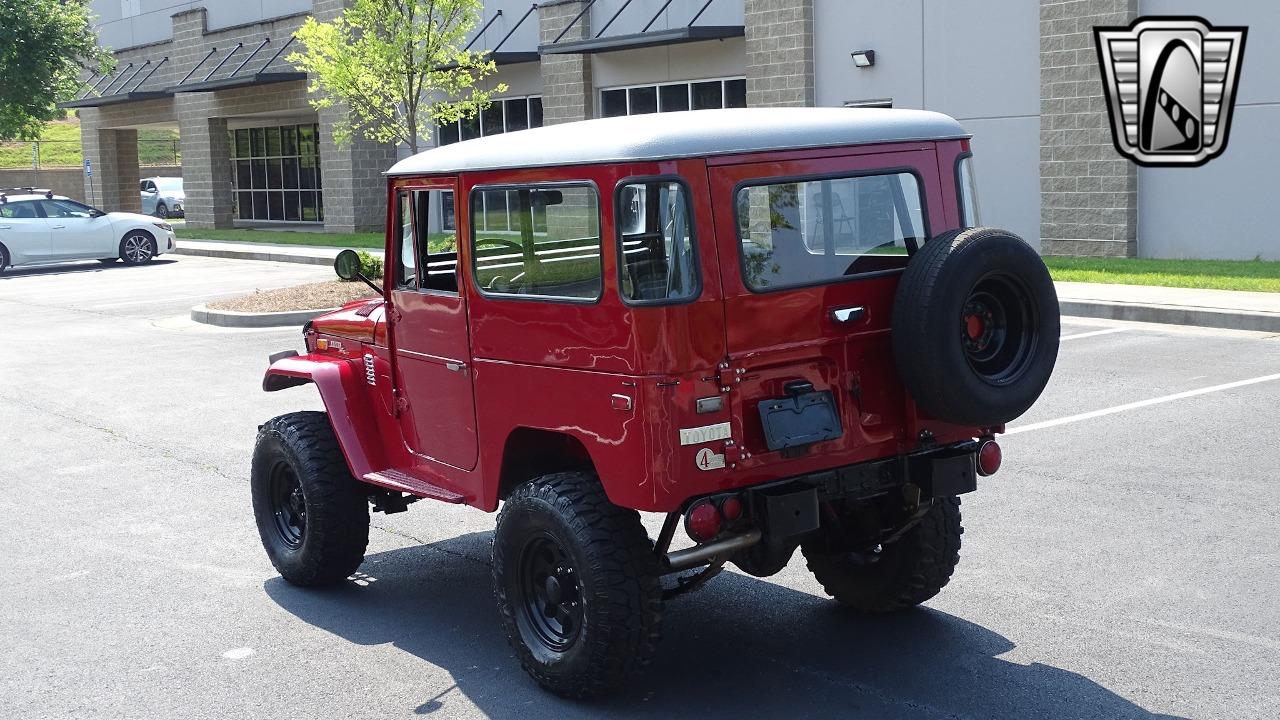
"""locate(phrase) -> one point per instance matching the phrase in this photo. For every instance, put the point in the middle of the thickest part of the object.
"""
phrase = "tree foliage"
(45, 48)
(398, 66)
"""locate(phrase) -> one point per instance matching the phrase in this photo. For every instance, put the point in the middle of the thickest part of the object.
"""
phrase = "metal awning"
(116, 88)
(601, 43)
(644, 39)
(263, 74)
(497, 55)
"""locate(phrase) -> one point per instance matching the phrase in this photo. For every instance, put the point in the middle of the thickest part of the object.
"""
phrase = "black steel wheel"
(312, 515)
(551, 596)
(576, 580)
(975, 327)
(1000, 329)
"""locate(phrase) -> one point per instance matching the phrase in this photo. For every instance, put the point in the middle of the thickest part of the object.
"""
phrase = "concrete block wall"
(567, 91)
(779, 48)
(1089, 194)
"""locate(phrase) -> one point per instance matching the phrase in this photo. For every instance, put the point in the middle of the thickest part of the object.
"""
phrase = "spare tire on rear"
(975, 327)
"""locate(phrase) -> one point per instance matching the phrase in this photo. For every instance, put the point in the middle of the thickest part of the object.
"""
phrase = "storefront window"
(674, 97)
(277, 173)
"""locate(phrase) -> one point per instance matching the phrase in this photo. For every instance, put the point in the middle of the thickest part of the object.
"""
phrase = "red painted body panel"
(557, 367)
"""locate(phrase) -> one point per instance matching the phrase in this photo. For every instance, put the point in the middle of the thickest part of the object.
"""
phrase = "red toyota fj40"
(778, 327)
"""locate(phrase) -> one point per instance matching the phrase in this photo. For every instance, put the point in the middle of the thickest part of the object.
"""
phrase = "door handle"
(848, 314)
(59, 227)
(455, 367)
(6, 227)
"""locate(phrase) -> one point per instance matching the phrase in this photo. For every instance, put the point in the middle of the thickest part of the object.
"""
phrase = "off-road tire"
(124, 251)
(904, 573)
(336, 530)
(618, 583)
(953, 275)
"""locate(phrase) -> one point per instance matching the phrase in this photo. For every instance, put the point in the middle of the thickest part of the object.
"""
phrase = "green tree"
(398, 66)
(45, 47)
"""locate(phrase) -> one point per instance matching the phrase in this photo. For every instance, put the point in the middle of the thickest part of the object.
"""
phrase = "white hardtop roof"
(665, 136)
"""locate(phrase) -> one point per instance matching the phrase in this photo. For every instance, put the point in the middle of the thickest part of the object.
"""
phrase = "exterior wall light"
(864, 58)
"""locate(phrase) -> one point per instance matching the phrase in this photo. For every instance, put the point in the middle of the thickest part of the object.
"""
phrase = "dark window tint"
(470, 128)
(735, 93)
(643, 100)
(807, 232)
(552, 246)
(448, 133)
(614, 103)
(535, 112)
(655, 235)
(707, 95)
(491, 119)
(673, 98)
(517, 112)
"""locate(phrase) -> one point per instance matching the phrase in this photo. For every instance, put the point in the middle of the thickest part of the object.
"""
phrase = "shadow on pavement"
(78, 266)
(741, 647)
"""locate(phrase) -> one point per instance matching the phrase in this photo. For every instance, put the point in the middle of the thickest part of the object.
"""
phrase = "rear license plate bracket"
(800, 419)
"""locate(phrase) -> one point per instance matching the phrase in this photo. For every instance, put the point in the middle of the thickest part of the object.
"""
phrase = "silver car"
(163, 197)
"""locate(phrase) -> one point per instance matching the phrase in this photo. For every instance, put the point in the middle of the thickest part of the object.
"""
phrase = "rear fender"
(345, 392)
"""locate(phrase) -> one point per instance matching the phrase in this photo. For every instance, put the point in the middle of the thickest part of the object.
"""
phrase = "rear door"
(433, 353)
(24, 232)
(811, 252)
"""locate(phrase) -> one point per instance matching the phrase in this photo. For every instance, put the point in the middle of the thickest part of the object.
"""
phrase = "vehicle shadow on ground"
(740, 647)
(13, 273)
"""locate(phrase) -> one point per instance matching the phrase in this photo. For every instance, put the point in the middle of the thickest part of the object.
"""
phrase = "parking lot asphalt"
(1123, 563)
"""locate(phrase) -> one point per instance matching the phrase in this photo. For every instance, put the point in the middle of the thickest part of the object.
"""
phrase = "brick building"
(1020, 75)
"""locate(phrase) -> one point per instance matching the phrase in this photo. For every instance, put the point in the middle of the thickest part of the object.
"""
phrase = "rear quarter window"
(802, 232)
(537, 242)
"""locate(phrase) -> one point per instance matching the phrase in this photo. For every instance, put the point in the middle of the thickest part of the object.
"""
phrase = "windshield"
(169, 184)
(797, 233)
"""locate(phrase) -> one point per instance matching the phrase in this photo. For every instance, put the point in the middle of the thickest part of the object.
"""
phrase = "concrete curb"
(234, 319)
(266, 255)
(1173, 315)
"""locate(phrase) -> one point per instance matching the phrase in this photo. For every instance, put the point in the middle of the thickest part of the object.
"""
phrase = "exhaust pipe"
(703, 554)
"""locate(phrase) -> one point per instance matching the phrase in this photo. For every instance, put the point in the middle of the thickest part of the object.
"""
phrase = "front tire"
(312, 515)
(577, 585)
(162, 210)
(137, 247)
(900, 575)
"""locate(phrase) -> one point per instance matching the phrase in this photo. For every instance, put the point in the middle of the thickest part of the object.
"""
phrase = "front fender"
(346, 397)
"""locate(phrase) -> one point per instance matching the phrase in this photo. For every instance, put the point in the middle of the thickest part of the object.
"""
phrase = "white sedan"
(38, 227)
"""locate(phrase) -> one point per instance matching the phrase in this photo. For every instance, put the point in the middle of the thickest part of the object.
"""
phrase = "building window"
(277, 173)
(501, 116)
(674, 97)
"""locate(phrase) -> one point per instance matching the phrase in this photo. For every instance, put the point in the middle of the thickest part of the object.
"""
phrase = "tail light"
(703, 521)
(731, 508)
(989, 457)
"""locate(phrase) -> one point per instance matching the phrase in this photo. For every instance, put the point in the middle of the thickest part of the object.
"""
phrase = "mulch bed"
(312, 296)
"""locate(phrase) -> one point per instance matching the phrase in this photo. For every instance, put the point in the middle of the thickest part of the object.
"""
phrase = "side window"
(405, 271)
(797, 233)
(426, 242)
(969, 215)
(64, 209)
(655, 242)
(537, 242)
(19, 210)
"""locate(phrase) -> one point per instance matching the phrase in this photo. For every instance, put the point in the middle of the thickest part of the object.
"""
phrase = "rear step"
(404, 482)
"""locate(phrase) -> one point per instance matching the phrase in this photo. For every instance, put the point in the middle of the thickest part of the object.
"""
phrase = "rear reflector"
(989, 457)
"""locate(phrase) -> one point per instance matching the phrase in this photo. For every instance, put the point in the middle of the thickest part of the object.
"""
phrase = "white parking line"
(1093, 333)
(1140, 404)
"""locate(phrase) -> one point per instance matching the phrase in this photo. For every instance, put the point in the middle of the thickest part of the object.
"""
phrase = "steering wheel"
(514, 246)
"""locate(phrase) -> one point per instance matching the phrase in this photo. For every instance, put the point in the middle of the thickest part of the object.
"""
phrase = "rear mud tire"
(975, 327)
(577, 585)
(903, 574)
(312, 515)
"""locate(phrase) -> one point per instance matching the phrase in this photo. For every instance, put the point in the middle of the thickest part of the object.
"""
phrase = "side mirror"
(96, 213)
(347, 265)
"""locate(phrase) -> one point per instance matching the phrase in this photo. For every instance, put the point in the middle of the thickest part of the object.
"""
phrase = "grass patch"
(1250, 275)
(372, 241)
(60, 147)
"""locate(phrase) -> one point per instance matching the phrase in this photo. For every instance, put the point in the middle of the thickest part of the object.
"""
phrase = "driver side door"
(429, 327)
(76, 233)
